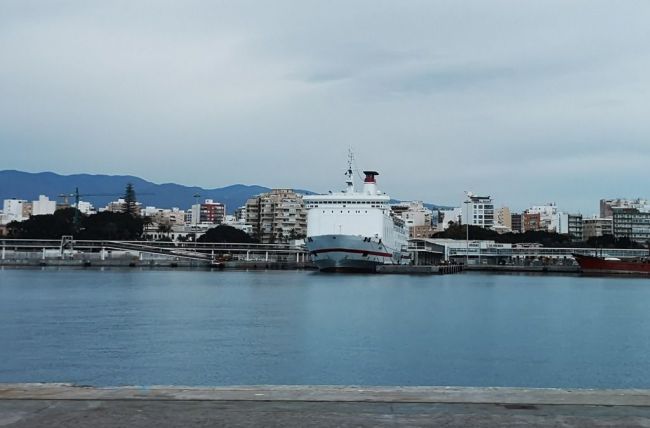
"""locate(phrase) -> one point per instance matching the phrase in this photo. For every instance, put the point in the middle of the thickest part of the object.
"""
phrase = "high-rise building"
(478, 211)
(596, 227)
(571, 224)
(516, 223)
(547, 216)
(631, 223)
(277, 216)
(607, 205)
(504, 218)
(14, 210)
(532, 221)
(43, 206)
(240, 214)
(208, 212)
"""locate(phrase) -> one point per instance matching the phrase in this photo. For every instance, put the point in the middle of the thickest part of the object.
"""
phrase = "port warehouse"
(431, 251)
(423, 252)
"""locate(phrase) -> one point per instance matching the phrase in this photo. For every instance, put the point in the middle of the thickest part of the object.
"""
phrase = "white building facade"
(12, 210)
(43, 206)
(478, 211)
(548, 214)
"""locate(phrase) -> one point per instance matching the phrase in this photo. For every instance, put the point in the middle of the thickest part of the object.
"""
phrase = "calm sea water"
(119, 327)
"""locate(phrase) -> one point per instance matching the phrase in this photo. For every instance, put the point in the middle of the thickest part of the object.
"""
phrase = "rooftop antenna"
(349, 174)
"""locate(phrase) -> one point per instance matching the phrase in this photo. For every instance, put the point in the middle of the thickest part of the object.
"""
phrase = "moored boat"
(613, 265)
(354, 231)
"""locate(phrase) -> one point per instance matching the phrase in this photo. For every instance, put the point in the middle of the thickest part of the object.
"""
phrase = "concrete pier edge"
(328, 393)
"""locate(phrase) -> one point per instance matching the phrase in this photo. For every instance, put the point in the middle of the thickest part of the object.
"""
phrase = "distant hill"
(27, 185)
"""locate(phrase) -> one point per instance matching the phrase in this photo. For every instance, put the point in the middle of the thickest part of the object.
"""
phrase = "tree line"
(102, 226)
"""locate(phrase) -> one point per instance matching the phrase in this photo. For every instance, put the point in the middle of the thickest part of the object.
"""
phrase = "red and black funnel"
(370, 176)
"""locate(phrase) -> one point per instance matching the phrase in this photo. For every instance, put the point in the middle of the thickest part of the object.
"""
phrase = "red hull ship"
(590, 264)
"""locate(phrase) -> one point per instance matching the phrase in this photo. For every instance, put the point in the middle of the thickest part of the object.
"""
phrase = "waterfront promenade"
(60, 405)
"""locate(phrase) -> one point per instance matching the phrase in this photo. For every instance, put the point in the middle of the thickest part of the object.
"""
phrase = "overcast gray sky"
(528, 101)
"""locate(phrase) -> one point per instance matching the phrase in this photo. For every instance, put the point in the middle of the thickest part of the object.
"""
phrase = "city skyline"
(593, 210)
(526, 103)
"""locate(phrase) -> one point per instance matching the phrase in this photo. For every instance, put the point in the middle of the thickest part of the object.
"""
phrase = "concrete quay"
(155, 264)
(62, 405)
(523, 268)
(420, 269)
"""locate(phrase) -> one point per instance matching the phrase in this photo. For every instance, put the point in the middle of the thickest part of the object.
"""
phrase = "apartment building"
(424, 231)
(43, 206)
(596, 227)
(631, 223)
(15, 210)
(504, 218)
(478, 211)
(413, 213)
(571, 224)
(548, 216)
(209, 212)
(277, 216)
(516, 222)
(607, 205)
(531, 222)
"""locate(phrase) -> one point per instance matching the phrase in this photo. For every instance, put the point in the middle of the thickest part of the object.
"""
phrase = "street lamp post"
(467, 232)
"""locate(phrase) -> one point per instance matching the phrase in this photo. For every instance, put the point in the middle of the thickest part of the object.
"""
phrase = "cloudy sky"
(528, 101)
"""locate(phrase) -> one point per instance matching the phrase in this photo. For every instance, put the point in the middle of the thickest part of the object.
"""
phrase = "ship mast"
(349, 174)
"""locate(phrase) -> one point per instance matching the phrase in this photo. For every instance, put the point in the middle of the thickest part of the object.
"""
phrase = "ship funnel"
(369, 183)
(370, 176)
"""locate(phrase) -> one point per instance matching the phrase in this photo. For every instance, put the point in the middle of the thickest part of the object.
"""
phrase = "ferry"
(354, 231)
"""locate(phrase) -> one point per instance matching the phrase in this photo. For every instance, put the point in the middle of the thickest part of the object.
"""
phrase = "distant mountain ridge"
(28, 185)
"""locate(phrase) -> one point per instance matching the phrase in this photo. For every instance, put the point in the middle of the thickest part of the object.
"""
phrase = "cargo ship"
(354, 231)
(613, 265)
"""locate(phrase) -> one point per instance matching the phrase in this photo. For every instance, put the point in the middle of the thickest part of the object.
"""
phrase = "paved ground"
(65, 406)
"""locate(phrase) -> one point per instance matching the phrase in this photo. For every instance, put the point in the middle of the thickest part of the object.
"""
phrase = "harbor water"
(153, 327)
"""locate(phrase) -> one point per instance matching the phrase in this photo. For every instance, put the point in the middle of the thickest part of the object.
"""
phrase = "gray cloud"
(528, 101)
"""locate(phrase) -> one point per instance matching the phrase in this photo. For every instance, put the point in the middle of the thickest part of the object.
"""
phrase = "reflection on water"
(116, 327)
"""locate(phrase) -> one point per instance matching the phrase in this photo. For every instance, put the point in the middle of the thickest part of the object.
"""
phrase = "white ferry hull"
(341, 253)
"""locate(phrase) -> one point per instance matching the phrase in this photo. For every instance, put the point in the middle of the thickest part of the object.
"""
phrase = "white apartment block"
(478, 211)
(14, 210)
(413, 213)
(43, 206)
(85, 208)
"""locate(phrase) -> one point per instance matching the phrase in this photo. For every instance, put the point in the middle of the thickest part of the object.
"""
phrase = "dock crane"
(77, 197)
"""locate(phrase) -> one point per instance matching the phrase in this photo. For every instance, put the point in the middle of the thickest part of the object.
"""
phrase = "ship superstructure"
(354, 230)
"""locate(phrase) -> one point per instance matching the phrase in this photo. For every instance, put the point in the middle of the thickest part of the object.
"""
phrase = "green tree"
(130, 201)
(112, 226)
(223, 233)
(50, 226)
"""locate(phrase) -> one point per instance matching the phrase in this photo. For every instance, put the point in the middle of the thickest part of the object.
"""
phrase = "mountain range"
(102, 189)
